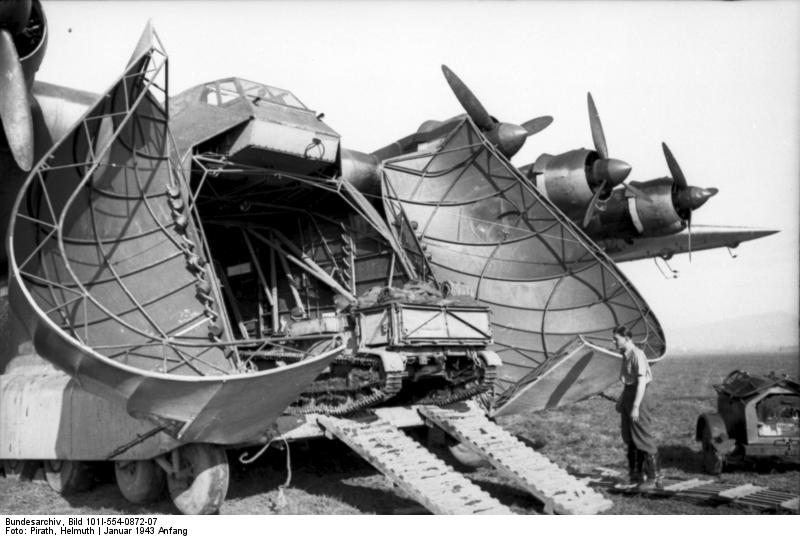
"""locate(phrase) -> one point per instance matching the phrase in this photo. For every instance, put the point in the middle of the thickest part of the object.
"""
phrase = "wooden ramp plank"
(708, 490)
(412, 468)
(791, 505)
(550, 484)
(740, 492)
(686, 485)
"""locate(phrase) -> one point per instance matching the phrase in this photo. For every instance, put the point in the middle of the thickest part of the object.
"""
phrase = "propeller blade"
(15, 105)
(636, 192)
(537, 125)
(674, 169)
(468, 101)
(598, 136)
(690, 237)
(587, 218)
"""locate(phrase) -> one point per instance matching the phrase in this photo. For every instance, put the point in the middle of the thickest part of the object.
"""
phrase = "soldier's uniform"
(638, 435)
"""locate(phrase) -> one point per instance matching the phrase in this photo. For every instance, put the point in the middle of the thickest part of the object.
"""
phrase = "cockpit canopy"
(253, 124)
(226, 91)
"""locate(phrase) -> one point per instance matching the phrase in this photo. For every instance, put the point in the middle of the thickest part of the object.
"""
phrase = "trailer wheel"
(67, 477)
(139, 481)
(713, 461)
(199, 482)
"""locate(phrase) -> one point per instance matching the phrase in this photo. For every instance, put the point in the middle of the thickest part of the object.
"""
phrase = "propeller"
(508, 137)
(15, 103)
(685, 198)
(609, 171)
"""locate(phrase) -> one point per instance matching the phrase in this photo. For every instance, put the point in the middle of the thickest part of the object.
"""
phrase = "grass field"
(329, 479)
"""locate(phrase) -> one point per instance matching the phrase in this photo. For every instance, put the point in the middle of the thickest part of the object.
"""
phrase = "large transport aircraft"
(187, 274)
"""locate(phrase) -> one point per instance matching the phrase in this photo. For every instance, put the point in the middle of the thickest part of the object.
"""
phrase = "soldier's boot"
(634, 464)
(640, 457)
(652, 472)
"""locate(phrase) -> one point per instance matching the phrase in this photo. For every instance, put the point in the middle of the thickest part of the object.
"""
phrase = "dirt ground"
(327, 478)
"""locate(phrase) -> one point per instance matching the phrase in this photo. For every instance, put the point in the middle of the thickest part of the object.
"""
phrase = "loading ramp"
(560, 492)
(412, 468)
(443, 490)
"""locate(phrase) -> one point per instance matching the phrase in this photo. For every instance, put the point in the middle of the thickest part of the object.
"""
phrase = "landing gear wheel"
(20, 469)
(713, 461)
(140, 481)
(199, 483)
(12, 468)
(67, 477)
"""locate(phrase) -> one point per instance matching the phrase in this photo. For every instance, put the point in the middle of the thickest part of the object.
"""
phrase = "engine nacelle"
(656, 216)
(623, 215)
(566, 179)
(361, 170)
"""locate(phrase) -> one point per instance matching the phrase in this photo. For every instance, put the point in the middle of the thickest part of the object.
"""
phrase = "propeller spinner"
(507, 137)
(15, 104)
(685, 198)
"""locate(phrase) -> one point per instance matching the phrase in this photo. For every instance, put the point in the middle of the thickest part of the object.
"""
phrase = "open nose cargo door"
(111, 279)
(493, 236)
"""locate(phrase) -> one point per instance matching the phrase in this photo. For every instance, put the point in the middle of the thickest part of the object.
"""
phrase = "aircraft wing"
(703, 238)
(485, 229)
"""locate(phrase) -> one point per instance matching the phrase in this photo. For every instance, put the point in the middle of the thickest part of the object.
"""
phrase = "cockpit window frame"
(216, 88)
(247, 90)
(274, 93)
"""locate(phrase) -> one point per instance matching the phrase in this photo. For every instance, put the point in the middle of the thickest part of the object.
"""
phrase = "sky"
(717, 81)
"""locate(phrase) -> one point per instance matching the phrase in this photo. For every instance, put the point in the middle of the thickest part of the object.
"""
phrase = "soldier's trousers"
(639, 432)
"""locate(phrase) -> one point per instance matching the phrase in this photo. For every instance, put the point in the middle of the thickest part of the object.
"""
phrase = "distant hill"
(772, 332)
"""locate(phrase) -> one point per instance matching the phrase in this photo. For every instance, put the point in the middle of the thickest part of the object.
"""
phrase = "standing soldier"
(635, 408)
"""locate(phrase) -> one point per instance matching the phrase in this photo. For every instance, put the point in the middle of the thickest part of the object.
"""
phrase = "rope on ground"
(245, 459)
(282, 502)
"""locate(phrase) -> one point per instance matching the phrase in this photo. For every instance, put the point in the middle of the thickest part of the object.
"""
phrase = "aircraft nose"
(511, 137)
(612, 170)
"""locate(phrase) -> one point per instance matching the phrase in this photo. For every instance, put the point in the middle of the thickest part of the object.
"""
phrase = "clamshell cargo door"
(111, 279)
(578, 369)
(491, 234)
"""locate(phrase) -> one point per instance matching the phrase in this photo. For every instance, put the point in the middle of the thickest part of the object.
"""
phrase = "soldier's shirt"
(634, 367)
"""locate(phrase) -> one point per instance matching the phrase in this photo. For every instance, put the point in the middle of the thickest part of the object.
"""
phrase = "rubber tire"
(140, 482)
(466, 455)
(21, 469)
(18, 469)
(67, 477)
(12, 468)
(712, 461)
(201, 483)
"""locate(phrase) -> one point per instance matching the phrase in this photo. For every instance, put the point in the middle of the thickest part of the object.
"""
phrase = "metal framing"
(484, 227)
(111, 274)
